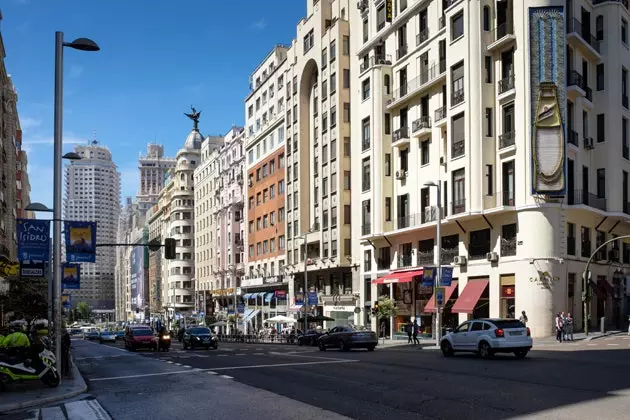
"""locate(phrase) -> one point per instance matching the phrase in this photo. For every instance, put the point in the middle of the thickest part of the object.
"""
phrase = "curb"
(79, 388)
(607, 334)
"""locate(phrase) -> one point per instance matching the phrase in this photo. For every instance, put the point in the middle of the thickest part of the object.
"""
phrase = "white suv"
(487, 337)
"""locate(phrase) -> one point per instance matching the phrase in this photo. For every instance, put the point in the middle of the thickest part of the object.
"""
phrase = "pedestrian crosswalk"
(89, 409)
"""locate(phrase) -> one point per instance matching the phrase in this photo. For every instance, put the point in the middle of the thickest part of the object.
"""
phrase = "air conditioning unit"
(401, 174)
(613, 255)
(460, 260)
(384, 61)
(492, 256)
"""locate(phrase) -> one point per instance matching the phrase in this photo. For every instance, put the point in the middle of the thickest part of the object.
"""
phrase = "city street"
(558, 381)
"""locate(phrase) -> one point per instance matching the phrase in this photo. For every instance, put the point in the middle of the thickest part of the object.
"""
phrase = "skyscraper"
(93, 194)
(153, 168)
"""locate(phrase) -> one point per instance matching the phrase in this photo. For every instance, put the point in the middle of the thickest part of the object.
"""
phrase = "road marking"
(258, 349)
(186, 366)
(212, 373)
(219, 355)
(258, 354)
(273, 365)
(591, 344)
(305, 356)
(104, 357)
(226, 377)
(240, 354)
(90, 409)
(178, 364)
(169, 361)
(613, 344)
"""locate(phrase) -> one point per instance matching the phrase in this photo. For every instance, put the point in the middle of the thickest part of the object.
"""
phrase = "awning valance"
(470, 296)
(398, 277)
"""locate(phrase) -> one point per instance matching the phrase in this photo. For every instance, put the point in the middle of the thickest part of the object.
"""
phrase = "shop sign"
(342, 308)
(507, 292)
(389, 10)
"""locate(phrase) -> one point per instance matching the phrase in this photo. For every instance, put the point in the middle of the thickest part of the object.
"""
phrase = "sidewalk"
(28, 394)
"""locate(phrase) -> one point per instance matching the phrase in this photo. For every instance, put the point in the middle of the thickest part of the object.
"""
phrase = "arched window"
(486, 18)
(387, 83)
(599, 27)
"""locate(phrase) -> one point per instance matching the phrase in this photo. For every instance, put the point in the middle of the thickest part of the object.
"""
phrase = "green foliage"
(386, 307)
(210, 319)
(84, 311)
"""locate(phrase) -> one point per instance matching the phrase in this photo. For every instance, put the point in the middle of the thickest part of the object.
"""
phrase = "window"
(365, 134)
(459, 191)
(458, 146)
(309, 40)
(624, 138)
(324, 58)
(366, 216)
(586, 242)
(346, 147)
(380, 17)
(488, 65)
(424, 150)
(624, 87)
(388, 164)
(346, 180)
(599, 28)
(365, 89)
(345, 45)
(333, 83)
(601, 183)
(489, 122)
(457, 80)
(387, 84)
(365, 174)
(601, 128)
(333, 50)
(346, 78)
(489, 181)
(388, 123)
(333, 116)
(346, 112)
(486, 18)
(457, 26)
(624, 31)
(600, 76)
(366, 31)
(347, 214)
(388, 209)
(570, 239)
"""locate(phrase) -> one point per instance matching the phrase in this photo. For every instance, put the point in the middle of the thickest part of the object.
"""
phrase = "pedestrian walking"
(568, 327)
(564, 326)
(559, 326)
(523, 318)
(416, 329)
(409, 331)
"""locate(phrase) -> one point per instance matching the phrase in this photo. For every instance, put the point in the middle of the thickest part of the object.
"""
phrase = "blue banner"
(71, 276)
(33, 239)
(446, 276)
(66, 301)
(80, 241)
(299, 298)
(240, 307)
(311, 298)
(428, 276)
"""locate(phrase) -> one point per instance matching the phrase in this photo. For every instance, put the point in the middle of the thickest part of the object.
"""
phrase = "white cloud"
(67, 139)
(259, 24)
(75, 71)
(27, 123)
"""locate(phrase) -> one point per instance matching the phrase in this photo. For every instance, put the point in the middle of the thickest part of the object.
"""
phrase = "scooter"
(41, 368)
(164, 342)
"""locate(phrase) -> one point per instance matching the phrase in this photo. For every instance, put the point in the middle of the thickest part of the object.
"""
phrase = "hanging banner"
(66, 301)
(299, 298)
(428, 276)
(32, 269)
(446, 276)
(33, 239)
(80, 241)
(311, 298)
(71, 276)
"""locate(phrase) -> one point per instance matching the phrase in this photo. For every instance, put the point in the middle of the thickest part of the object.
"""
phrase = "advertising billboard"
(137, 278)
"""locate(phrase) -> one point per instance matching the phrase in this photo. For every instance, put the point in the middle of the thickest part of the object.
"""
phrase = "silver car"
(107, 337)
(487, 337)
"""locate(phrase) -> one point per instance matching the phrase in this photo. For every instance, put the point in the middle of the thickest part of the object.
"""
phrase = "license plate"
(516, 333)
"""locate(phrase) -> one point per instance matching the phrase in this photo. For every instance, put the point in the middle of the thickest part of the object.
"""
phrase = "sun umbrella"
(281, 319)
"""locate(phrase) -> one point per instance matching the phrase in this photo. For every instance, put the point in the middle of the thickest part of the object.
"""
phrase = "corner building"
(318, 198)
(519, 111)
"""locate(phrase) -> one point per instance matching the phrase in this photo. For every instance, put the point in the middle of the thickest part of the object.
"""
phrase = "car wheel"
(485, 350)
(371, 348)
(447, 349)
(322, 347)
(521, 353)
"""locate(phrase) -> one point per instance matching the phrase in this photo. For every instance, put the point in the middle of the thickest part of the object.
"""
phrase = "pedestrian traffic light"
(169, 248)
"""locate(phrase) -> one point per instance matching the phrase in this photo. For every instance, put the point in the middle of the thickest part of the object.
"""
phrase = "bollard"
(602, 325)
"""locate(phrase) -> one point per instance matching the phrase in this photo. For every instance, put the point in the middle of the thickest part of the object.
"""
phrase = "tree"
(84, 311)
(386, 309)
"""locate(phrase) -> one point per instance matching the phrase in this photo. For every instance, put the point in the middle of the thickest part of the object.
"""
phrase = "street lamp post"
(82, 44)
(437, 259)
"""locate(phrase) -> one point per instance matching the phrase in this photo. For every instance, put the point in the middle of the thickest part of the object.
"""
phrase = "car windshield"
(508, 323)
(199, 331)
(142, 332)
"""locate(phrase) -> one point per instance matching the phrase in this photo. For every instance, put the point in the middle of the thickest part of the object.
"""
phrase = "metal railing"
(430, 214)
(588, 199)
(458, 148)
(383, 264)
(502, 30)
(261, 338)
(575, 79)
(505, 84)
(458, 206)
(422, 36)
(401, 133)
(404, 261)
(403, 222)
(507, 139)
(572, 138)
(440, 113)
(508, 198)
(448, 255)
(574, 25)
(366, 229)
(586, 249)
(380, 59)
(426, 75)
(457, 97)
(425, 257)
(478, 251)
(420, 123)
(401, 51)
(508, 247)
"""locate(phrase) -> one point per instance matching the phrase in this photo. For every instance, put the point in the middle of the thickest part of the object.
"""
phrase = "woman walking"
(559, 327)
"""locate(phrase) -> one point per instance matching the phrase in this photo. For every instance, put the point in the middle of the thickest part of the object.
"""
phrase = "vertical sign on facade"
(137, 278)
(80, 241)
(389, 10)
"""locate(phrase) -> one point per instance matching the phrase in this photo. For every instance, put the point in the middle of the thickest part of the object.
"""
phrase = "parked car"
(311, 338)
(348, 337)
(139, 336)
(90, 335)
(106, 337)
(199, 337)
(487, 337)
(120, 334)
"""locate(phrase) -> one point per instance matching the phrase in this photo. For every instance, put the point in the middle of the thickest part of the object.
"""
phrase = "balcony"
(458, 148)
(400, 136)
(422, 36)
(430, 214)
(578, 35)
(366, 229)
(375, 60)
(506, 84)
(507, 139)
(403, 222)
(572, 138)
(458, 206)
(501, 36)
(581, 197)
(448, 255)
(425, 257)
(401, 51)
(440, 115)
(421, 126)
(457, 97)
(577, 85)
(427, 78)
(508, 247)
(383, 264)
(404, 261)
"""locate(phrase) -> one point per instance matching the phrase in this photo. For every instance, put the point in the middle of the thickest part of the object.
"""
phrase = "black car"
(311, 338)
(199, 337)
(348, 337)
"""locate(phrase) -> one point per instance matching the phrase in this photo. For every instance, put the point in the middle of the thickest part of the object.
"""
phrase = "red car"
(138, 337)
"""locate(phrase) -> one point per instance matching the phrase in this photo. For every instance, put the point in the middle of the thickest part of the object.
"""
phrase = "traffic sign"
(439, 296)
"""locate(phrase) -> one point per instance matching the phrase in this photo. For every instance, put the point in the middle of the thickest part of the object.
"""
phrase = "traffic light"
(169, 248)
(375, 307)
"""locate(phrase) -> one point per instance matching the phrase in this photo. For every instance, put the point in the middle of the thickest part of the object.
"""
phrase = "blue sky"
(157, 58)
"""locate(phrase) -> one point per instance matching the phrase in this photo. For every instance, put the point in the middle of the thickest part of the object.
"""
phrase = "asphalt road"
(581, 380)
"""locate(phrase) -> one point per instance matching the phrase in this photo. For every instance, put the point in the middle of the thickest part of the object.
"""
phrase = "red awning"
(470, 296)
(398, 277)
(448, 292)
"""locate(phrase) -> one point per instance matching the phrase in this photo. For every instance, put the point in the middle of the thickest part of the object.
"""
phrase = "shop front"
(507, 308)
(449, 318)
(405, 289)
(474, 299)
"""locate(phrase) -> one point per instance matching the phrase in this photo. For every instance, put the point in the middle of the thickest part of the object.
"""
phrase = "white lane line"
(220, 355)
(104, 357)
(240, 354)
(169, 361)
(226, 377)
(306, 356)
(273, 365)
(186, 366)
(258, 349)
(178, 364)
(212, 373)
(258, 354)
(613, 344)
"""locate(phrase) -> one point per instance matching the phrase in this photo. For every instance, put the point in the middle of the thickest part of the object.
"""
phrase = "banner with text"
(80, 241)
(33, 239)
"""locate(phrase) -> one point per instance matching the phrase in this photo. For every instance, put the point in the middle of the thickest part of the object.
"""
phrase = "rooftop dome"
(194, 140)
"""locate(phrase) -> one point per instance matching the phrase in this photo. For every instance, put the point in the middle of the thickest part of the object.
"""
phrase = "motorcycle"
(26, 368)
(164, 342)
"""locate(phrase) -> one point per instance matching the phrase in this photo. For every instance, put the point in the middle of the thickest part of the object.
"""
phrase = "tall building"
(176, 204)
(92, 193)
(152, 168)
(121, 277)
(219, 221)
(265, 254)
(23, 186)
(318, 166)
(526, 196)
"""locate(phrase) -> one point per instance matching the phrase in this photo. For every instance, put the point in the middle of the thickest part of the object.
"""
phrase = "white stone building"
(152, 168)
(530, 149)
(121, 276)
(92, 194)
